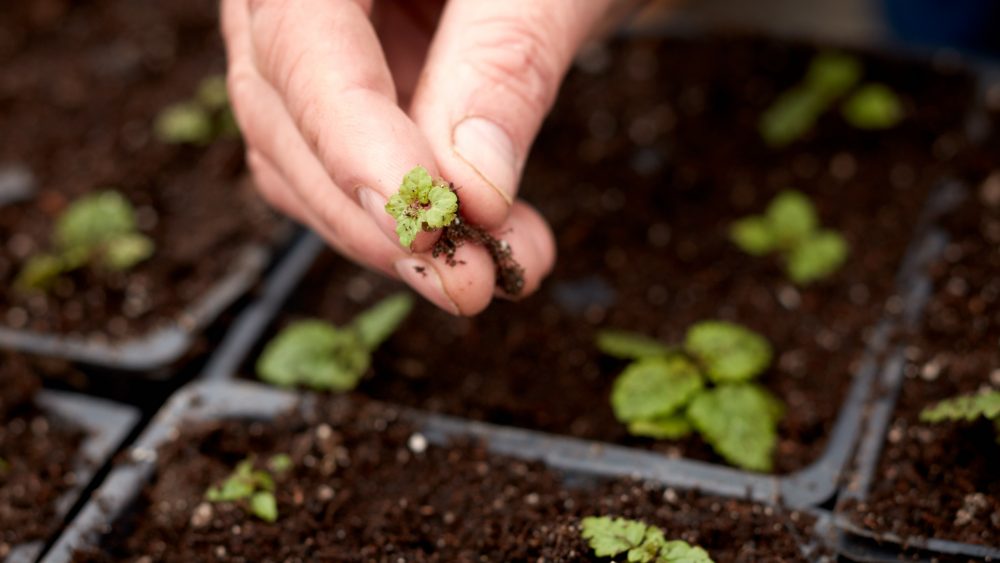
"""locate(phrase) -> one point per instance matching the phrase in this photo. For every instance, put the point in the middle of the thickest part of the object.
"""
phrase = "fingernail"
(488, 150)
(374, 204)
(422, 277)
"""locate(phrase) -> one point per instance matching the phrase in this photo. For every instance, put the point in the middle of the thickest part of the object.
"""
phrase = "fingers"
(492, 74)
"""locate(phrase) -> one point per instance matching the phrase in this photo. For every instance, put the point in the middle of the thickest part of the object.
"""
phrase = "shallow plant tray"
(217, 400)
(106, 426)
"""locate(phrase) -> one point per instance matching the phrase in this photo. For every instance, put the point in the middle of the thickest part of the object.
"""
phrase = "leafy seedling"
(98, 230)
(204, 118)
(637, 542)
(703, 386)
(254, 486)
(322, 356)
(790, 227)
(873, 106)
(966, 408)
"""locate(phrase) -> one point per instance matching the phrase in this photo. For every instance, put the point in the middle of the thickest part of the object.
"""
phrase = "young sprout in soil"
(324, 357)
(966, 408)
(704, 385)
(425, 204)
(873, 106)
(4, 466)
(790, 227)
(98, 230)
(201, 120)
(637, 542)
(255, 486)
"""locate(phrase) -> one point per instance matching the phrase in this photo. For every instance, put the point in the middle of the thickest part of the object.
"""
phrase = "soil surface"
(38, 454)
(650, 154)
(364, 488)
(80, 86)
(940, 481)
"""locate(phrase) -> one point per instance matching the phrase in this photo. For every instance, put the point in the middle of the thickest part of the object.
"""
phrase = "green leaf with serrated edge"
(609, 537)
(964, 408)
(672, 427)
(727, 351)
(375, 325)
(630, 345)
(443, 207)
(94, 220)
(279, 463)
(416, 185)
(39, 272)
(873, 106)
(647, 551)
(791, 116)
(677, 551)
(753, 235)
(211, 93)
(654, 387)
(315, 354)
(738, 422)
(407, 229)
(816, 257)
(791, 218)
(184, 122)
(264, 506)
(832, 74)
(123, 253)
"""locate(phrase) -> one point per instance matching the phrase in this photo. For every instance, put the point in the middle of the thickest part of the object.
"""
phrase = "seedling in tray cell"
(99, 231)
(704, 386)
(637, 542)
(966, 408)
(322, 356)
(253, 486)
(201, 120)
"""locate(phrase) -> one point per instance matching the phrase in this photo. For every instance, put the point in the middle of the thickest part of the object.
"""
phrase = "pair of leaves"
(421, 204)
(966, 408)
(98, 229)
(790, 226)
(202, 119)
(256, 486)
(639, 542)
(830, 77)
(322, 356)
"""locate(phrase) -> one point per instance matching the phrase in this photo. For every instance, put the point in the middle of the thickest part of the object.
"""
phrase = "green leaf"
(280, 463)
(123, 253)
(407, 229)
(315, 354)
(377, 324)
(609, 537)
(39, 272)
(832, 74)
(185, 122)
(652, 388)
(791, 217)
(964, 408)
(791, 116)
(728, 351)
(678, 551)
(671, 427)
(264, 506)
(94, 220)
(235, 487)
(816, 257)
(873, 106)
(630, 345)
(753, 235)
(416, 185)
(443, 207)
(212, 94)
(739, 422)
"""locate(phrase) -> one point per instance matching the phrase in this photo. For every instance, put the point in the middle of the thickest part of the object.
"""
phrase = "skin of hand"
(338, 99)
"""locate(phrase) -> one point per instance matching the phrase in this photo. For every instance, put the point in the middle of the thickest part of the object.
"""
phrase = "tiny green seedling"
(201, 120)
(873, 106)
(421, 204)
(322, 356)
(966, 408)
(637, 542)
(790, 227)
(98, 230)
(255, 486)
(704, 386)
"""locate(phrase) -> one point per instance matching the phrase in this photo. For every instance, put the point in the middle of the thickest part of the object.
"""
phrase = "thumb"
(492, 73)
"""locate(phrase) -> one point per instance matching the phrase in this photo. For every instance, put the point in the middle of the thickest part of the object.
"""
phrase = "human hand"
(319, 89)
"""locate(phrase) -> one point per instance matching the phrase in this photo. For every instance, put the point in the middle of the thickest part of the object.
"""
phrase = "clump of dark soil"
(363, 488)
(38, 454)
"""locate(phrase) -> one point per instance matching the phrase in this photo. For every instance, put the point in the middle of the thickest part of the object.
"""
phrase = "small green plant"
(321, 356)
(704, 385)
(255, 486)
(790, 227)
(98, 230)
(4, 466)
(421, 204)
(637, 541)
(200, 120)
(966, 408)
(830, 76)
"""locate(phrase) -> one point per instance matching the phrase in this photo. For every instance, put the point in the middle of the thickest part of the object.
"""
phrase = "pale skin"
(338, 99)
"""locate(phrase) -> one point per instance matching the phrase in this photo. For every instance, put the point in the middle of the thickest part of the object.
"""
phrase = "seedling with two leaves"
(637, 541)
(790, 227)
(966, 408)
(254, 486)
(325, 357)
(201, 120)
(704, 386)
(98, 230)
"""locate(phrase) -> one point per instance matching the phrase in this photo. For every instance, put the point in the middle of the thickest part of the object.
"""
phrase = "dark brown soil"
(640, 170)
(80, 85)
(941, 481)
(38, 453)
(361, 491)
